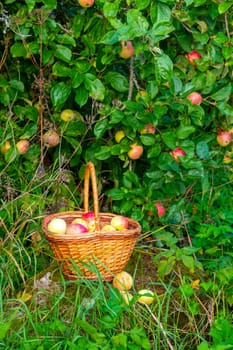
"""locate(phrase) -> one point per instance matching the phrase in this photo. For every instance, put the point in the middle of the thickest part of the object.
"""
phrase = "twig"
(160, 326)
(227, 25)
(131, 79)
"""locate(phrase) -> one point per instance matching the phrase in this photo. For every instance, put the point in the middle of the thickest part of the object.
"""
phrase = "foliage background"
(57, 55)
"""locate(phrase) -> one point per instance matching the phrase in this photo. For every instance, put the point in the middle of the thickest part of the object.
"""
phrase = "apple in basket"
(57, 225)
(108, 228)
(75, 228)
(119, 222)
(89, 217)
(80, 221)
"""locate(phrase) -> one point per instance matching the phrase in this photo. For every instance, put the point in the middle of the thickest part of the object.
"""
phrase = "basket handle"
(90, 171)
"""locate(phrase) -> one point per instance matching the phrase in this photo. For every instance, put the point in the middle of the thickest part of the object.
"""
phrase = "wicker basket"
(94, 254)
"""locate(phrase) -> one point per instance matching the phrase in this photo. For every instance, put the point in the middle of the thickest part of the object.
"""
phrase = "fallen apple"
(123, 281)
(68, 115)
(146, 296)
(135, 152)
(73, 229)
(127, 49)
(140, 93)
(22, 146)
(119, 222)
(57, 225)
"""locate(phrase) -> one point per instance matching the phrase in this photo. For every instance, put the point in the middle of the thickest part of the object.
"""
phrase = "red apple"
(119, 222)
(86, 3)
(195, 98)
(57, 225)
(22, 146)
(89, 217)
(224, 138)
(127, 49)
(178, 152)
(80, 221)
(160, 209)
(148, 129)
(73, 229)
(192, 56)
(51, 138)
(135, 152)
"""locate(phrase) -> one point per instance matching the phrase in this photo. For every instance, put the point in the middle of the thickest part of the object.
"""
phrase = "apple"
(119, 222)
(195, 98)
(127, 49)
(192, 56)
(108, 228)
(135, 152)
(89, 217)
(68, 115)
(57, 225)
(146, 296)
(80, 221)
(148, 129)
(86, 3)
(227, 159)
(178, 152)
(22, 146)
(73, 229)
(51, 138)
(224, 138)
(160, 209)
(122, 281)
(119, 136)
(5, 147)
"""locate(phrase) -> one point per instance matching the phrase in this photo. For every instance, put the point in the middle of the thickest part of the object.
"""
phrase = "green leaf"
(116, 116)
(224, 6)
(117, 81)
(169, 137)
(63, 53)
(100, 127)
(188, 261)
(163, 67)
(142, 4)
(110, 9)
(103, 153)
(120, 340)
(222, 94)
(184, 131)
(30, 4)
(4, 327)
(60, 93)
(17, 85)
(81, 96)
(202, 150)
(4, 98)
(165, 267)
(18, 50)
(60, 70)
(147, 140)
(95, 87)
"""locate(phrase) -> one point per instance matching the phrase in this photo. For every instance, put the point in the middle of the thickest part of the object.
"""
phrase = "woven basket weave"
(94, 254)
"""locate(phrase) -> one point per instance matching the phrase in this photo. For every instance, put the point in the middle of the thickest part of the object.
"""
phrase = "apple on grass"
(119, 222)
(86, 3)
(160, 209)
(148, 129)
(51, 138)
(145, 296)
(122, 281)
(119, 135)
(5, 147)
(22, 146)
(57, 225)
